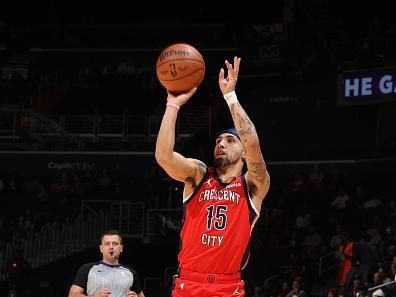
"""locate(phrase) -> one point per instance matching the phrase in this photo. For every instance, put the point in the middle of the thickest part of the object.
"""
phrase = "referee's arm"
(76, 291)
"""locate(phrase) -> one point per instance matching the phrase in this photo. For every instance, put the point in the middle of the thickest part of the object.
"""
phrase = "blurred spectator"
(387, 258)
(258, 291)
(332, 292)
(379, 293)
(359, 194)
(342, 200)
(13, 183)
(366, 257)
(372, 203)
(298, 184)
(303, 219)
(312, 242)
(336, 238)
(346, 256)
(296, 290)
(285, 289)
(355, 286)
(377, 281)
(315, 178)
(384, 275)
(362, 292)
(25, 224)
(375, 239)
(392, 268)
(332, 179)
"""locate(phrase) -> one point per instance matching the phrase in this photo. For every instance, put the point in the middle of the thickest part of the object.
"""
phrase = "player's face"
(228, 150)
(111, 248)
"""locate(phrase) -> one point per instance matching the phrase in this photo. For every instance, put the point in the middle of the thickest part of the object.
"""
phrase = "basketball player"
(221, 204)
(107, 277)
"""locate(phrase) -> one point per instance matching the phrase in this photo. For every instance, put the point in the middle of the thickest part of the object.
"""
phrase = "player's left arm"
(257, 176)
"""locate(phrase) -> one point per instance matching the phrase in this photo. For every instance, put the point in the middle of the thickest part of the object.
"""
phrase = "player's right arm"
(176, 165)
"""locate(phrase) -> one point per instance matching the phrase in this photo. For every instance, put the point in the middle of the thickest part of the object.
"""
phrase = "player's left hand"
(181, 98)
(227, 83)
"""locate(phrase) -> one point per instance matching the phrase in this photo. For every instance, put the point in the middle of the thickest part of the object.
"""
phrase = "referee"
(107, 277)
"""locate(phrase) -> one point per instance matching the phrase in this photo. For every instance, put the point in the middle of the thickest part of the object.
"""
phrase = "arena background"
(80, 107)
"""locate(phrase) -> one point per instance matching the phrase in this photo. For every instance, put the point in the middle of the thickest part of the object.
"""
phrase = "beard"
(223, 162)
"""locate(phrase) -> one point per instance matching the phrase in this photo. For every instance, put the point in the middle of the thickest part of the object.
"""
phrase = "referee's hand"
(103, 292)
(132, 294)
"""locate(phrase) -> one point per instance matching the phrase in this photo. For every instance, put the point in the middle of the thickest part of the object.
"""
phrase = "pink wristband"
(173, 105)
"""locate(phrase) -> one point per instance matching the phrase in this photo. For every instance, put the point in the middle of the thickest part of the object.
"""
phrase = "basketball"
(180, 67)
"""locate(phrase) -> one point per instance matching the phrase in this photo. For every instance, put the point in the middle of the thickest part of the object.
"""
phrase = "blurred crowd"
(310, 215)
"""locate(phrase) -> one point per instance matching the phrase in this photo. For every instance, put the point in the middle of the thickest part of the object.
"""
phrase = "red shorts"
(193, 284)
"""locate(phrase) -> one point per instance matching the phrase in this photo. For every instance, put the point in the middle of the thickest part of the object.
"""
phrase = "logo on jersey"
(234, 185)
(208, 182)
(236, 292)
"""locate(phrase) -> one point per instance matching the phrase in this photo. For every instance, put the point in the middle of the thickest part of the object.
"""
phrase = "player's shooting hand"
(181, 98)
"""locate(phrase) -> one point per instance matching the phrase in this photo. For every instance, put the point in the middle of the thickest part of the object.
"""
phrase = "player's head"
(228, 149)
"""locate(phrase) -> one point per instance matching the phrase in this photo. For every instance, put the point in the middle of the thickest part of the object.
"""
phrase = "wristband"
(173, 105)
(231, 97)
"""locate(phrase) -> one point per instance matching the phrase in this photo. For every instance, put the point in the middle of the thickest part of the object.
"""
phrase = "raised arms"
(257, 175)
(176, 166)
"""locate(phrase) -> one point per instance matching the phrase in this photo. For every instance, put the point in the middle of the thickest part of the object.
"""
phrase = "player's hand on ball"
(182, 98)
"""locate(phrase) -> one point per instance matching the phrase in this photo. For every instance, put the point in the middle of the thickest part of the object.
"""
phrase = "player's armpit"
(184, 169)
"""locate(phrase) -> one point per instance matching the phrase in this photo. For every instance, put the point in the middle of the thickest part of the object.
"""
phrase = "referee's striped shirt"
(118, 278)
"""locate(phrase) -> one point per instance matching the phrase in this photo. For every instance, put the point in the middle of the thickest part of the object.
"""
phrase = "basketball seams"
(197, 53)
(178, 60)
(180, 66)
(183, 76)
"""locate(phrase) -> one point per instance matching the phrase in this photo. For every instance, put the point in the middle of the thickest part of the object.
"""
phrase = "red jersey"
(347, 262)
(217, 222)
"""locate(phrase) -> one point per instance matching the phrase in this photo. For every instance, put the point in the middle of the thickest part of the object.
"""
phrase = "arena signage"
(367, 86)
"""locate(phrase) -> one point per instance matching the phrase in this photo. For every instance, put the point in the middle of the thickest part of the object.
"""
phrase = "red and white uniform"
(215, 238)
(217, 224)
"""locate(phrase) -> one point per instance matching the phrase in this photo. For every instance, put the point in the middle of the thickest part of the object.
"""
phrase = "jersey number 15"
(217, 217)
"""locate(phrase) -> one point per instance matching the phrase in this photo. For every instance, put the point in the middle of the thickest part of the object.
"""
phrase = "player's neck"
(228, 174)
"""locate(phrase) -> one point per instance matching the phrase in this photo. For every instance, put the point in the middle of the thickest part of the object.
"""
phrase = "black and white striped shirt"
(97, 275)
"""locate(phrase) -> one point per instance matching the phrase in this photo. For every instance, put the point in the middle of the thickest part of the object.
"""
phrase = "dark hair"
(232, 131)
(110, 232)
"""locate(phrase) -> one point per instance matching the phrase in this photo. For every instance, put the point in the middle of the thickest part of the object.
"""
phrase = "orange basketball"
(180, 67)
